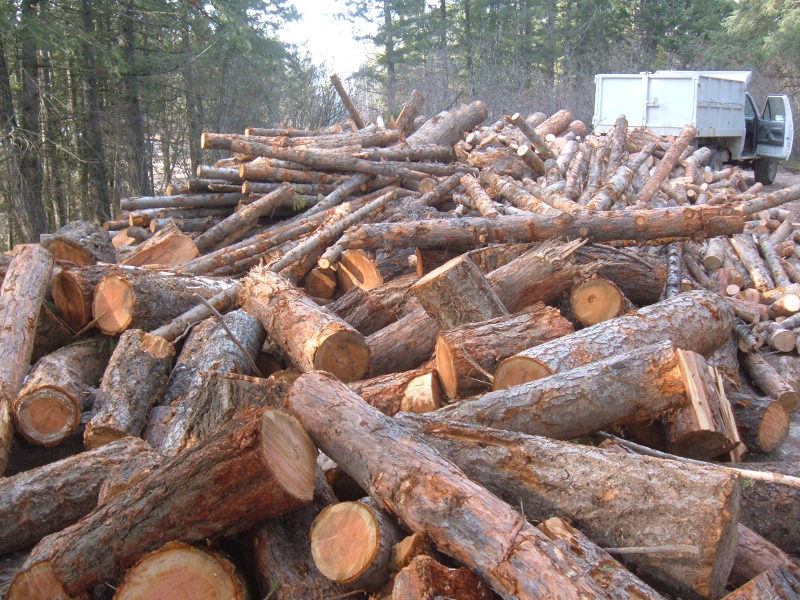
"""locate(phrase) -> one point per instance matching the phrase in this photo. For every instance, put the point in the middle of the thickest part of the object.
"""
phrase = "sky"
(328, 40)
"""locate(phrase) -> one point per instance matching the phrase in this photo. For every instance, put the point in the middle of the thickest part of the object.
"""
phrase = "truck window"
(774, 109)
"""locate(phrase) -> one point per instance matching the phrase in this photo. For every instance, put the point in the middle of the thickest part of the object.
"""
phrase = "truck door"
(775, 131)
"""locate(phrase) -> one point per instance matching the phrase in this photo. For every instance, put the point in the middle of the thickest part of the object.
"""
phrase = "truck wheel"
(765, 170)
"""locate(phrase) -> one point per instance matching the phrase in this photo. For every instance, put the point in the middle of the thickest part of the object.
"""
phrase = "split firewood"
(352, 542)
(141, 299)
(258, 466)
(80, 242)
(755, 555)
(222, 346)
(357, 269)
(48, 408)
(770, 381)
(311, 337)
(677, 319)
(168, 247)
(618, 500)
(401, 473)
(196, 572)
(424, 577)
(47, 499)
(467, 355)
(21, 296)
(779, 583)
(416, 391)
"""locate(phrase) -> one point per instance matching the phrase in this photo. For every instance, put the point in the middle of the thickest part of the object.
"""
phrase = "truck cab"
(715, 102)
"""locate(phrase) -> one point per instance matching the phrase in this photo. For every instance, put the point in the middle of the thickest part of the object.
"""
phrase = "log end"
(37, 582)
(62, 250)
(344, 354)
(112, 306)
(446, 368)
(774, 427)
(179, 571)
(345, 539)
(290, 453)
(783, 340)
(74, 308)
(596, 300)
(790, 400)
(517, 370)
(422, 394)
(46, 416)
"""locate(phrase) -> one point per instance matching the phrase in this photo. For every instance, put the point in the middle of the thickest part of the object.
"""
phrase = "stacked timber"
(434, 359)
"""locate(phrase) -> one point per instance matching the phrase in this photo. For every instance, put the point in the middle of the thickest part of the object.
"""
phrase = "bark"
(510, 190)
(348, 103)
(618, 138)
(467, 356)
(48, 408)
(416, 391)
(47, 499)
(666, 165)
(178, 570)
(167, 248)
(209, 349)
(616, 499)
(311, 337)
(555, 124)
(21, 295)
(351, 543)
(457, 293)
(483, 203)
(780, 583)
(674, 279)
(771, 382)
(51, 333)
(243, 219)
(429, 494)
(183, 201)
(185, 225)
(447, 127)
(260, 171)
(748, 253)
(178, 326)
(638, 385)
(138, 300)
(81, 242)
(696, 321)
(371, 310)
(225, 485)
(772, 261)
(755, 555)
(133, 381)
(424, 577)
(763, 423)
(640, 277)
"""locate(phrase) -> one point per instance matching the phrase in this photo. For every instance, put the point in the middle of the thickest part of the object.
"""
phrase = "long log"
(348, 103)
(617, 499)
(697, 321)
(47, 499)
(447, 127)
(258, 466)
(185, 201)
(48, 408)
(431, 495)
(21, 296)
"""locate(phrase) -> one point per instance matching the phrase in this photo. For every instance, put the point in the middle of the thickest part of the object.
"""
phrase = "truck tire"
(765, 170)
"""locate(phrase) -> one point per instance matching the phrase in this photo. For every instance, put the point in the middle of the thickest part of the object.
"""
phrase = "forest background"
(103, 99)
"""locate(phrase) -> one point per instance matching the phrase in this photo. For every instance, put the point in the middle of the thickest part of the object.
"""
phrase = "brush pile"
(534, 361)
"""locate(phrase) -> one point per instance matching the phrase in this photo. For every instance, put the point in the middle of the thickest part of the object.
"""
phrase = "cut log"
(468, 355)
(618, 137)
(412, 107)
(167, 248)
(416, 391)
(555, 124)
(21, 295)
(357, 269)
(697, 321)
(770, 381)
(748, 253)
(133, 381)
(715, 254)
(80, 242)
(598, 300)
(483, 203)
(185, 201)
(48, 407)
(457, 293)
(48, 498)
(424, 577)
(320, 283)
(763, 423)
(779, 583)
(446, 128)
(140, 300)
(178, 570)
(529, 132)
(222, 347)
(348, 103)
(639, 276)
(430, 495)
(772, 260)
(638, 385)
(258, 466)
(351, 543)
(666, 165)
(617, 499)
(755, 555)
(311, 337)
(371, 310)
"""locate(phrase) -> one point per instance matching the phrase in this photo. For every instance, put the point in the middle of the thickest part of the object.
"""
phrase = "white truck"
(715, 102)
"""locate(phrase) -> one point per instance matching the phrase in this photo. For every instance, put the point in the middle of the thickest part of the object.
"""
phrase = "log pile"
(538, 363)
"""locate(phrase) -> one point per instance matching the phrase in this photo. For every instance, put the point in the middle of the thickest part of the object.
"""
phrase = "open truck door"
(775, 132)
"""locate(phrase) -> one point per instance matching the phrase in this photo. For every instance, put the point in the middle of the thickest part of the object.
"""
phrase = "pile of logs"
(433, 359)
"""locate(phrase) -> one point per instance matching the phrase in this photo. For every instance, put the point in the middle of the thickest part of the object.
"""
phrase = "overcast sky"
(327, 39)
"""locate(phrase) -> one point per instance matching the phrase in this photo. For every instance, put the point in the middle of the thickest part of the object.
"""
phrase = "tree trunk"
(371, 310)
(616, 499)
(21, 295)
(47, 499)
(416, 391)
(139, 300)
(468, 355)
(258, 466)
(49, 405)
(697, 321)
(133, 381)
(311, 337)
(431, 495)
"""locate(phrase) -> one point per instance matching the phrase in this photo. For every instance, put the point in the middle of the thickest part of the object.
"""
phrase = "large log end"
(344, 354)
(46, 416)
(38, 582)
(290, 453)
(517, 370)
